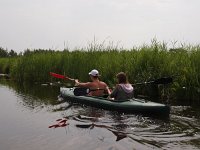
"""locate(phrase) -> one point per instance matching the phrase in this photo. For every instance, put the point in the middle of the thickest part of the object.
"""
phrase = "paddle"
(81, 91)
(84, 91)
(60, 76)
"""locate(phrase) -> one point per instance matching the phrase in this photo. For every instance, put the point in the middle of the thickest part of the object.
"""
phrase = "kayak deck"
(127, 106)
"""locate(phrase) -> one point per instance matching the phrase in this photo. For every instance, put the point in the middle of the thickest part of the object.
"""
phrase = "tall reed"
(144, 63)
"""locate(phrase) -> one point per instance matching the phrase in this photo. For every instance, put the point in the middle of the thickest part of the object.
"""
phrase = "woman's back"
(122, 91)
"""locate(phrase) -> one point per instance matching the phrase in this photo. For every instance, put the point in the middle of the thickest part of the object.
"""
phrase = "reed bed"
(145, 63)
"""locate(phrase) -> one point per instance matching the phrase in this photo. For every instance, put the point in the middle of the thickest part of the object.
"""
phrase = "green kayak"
(127, 106)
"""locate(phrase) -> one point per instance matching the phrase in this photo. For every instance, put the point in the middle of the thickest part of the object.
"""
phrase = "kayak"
(133, 105)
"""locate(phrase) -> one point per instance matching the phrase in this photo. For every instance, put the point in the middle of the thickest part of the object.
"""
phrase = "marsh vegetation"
(144, 63)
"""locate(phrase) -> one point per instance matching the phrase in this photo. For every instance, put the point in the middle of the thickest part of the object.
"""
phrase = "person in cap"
(98, 88)
(123, 89)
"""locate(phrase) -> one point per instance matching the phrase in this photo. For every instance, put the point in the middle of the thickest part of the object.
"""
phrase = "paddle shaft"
(80, 91)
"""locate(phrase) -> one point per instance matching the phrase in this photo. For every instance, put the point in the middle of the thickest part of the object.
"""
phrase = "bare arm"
(108, 90)
(77, 83)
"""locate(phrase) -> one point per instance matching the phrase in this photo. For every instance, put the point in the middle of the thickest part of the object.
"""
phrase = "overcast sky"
(57, 24)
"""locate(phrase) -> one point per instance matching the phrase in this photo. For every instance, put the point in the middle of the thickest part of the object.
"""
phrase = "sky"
(59, 24)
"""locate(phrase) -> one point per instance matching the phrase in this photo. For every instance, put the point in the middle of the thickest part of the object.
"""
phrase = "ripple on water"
(177, 131)
(93, 128)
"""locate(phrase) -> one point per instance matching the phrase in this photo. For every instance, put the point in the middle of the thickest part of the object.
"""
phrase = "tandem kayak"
(133, 105)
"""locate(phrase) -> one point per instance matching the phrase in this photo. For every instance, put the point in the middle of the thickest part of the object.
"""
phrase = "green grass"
(141, 64)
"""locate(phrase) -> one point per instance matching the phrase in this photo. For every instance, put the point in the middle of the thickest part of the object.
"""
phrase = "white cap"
(94, 72)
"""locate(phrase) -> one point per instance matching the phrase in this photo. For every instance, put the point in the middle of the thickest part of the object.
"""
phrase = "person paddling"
(123, 89)
(98, 88)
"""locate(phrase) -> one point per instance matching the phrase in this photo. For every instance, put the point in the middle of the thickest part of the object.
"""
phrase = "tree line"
(4, 53)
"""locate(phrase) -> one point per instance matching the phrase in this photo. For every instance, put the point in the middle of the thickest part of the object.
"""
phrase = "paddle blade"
(57, 75)
(81, 91)
(60, 76)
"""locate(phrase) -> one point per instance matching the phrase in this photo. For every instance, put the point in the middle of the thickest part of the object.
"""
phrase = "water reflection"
(34, 96)
(149, 133)
(93, 128)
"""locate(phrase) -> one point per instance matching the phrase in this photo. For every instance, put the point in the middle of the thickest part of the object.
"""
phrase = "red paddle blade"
(57, 75)
(60, 76)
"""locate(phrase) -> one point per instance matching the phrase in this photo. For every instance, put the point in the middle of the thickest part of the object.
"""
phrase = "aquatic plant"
(144, 63)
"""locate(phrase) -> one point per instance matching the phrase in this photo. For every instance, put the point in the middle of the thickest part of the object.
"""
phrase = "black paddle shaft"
(80, 91)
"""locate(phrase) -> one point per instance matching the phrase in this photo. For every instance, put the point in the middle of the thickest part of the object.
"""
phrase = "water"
(26, 112)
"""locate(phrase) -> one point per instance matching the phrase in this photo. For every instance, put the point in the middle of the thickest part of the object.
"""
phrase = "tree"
(12, 53)
(3, 52)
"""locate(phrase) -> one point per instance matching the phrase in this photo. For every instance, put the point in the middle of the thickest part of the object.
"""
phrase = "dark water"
(26, 112)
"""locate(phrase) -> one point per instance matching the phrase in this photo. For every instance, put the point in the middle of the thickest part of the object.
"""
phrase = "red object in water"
(51, 126)
(63, 121)
(63, 125)
(58, 119)
(56, 125)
